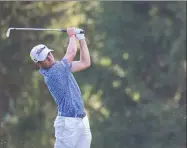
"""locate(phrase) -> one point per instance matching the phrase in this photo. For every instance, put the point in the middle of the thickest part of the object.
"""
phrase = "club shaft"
(39, 29)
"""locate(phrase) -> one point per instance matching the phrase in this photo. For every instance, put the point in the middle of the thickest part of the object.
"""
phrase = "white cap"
(39, 53)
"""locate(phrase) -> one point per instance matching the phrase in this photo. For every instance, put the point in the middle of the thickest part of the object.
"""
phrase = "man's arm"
(72, 47)
(84, 61)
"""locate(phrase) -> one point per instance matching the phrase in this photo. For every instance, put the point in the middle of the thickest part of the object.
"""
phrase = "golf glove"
(78, 35)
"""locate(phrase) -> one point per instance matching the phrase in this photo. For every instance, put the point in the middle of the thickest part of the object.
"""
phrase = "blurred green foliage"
(135, 90)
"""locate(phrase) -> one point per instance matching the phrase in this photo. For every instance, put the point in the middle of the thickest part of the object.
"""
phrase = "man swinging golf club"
(72, 129)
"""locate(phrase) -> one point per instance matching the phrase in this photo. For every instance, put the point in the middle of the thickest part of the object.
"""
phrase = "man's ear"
(50, 57)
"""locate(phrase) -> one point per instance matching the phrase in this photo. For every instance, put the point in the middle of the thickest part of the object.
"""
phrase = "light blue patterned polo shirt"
(64, 88)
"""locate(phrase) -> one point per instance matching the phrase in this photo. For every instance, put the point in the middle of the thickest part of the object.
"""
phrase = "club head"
(8, 32)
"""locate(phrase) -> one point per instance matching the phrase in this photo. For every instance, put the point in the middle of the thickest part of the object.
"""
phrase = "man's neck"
(49, 66)
(52, 64)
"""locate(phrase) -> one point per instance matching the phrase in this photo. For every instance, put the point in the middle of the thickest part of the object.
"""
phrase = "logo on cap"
(40, 50)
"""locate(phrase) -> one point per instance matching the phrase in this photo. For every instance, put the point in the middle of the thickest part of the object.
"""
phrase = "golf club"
(37, 29)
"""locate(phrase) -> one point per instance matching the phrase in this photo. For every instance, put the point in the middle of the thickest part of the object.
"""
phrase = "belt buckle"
(76, 115)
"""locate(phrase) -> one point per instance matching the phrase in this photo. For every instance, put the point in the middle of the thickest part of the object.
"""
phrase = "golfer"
(72, 129)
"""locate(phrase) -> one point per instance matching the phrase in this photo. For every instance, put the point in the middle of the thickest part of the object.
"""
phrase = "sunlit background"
(135, 90)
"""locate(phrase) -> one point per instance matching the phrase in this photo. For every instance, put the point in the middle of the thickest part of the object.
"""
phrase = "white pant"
(72, 132)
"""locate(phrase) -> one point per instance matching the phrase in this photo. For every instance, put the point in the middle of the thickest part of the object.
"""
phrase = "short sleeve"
(66, 63)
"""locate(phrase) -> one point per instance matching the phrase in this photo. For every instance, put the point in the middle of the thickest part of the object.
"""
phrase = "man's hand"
(71, 31)
(79, 36)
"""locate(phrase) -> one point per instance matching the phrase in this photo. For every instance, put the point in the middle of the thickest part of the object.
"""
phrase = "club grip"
(64, 30)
